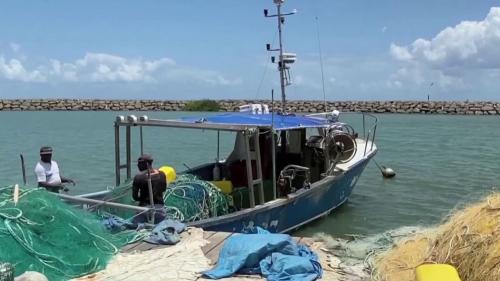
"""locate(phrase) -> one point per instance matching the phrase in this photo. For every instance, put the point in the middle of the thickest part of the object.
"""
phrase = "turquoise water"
(442, 162)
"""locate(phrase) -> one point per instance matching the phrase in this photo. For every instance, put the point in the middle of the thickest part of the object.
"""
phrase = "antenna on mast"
(284, 59)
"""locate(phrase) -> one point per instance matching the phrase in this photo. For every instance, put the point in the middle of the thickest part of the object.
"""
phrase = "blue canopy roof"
(281, 122)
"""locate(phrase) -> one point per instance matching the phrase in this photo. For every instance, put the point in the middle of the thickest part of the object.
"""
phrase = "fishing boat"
(285, 169)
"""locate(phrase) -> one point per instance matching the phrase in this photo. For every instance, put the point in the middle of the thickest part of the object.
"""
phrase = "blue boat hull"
(283, 215)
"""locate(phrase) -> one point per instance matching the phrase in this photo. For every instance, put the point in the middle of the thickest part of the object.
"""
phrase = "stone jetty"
(404, 107)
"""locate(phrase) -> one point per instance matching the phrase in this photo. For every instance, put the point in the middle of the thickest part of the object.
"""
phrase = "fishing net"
(119, 194)
(190, 199)
(42, 233)
(351, 258)
(469, 240)
(187, 199)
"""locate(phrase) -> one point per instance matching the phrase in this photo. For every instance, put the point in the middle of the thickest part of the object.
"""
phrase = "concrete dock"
(332, 266)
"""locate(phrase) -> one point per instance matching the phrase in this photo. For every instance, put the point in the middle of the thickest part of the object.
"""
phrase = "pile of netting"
(190, 199)
(351, 257)
(187, 199)
(469, 240)
(42, 233)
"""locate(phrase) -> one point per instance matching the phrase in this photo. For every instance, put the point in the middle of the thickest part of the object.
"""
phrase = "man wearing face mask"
(140, 189)
(47, 172)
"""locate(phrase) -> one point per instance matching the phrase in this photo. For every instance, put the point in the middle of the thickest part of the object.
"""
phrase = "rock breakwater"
(412, 107)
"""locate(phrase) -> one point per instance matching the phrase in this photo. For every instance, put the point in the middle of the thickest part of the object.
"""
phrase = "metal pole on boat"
(142, 140)
(218, 146)
(117, 151)
(151, 199)
(273, 145)
(128, 152)
(100, 202)
(23, 167)
(258, 166)
(281, 63)
(248, 162)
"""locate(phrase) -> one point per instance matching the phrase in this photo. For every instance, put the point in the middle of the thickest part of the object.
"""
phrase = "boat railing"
(369, 121)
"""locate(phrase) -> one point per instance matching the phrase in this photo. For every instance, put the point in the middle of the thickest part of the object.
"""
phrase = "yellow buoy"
(169, 172)
(224, 185)
(436, 272)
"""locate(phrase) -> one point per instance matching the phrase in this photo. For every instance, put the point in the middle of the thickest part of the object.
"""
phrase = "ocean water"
(442, 162)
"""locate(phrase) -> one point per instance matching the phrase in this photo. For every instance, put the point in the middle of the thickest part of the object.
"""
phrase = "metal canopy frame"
(145, 122)
(247, 130)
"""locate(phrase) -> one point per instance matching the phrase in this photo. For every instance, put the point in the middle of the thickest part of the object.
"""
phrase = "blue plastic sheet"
(279, 122)
(276, 256)
(280, 267)
(116, 224)
(166, 233)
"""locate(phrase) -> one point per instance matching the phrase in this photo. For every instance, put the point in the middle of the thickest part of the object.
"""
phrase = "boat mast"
(280, 65)
(284, 58)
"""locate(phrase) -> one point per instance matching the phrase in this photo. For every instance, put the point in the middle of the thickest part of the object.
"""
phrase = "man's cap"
(145, 158)
(46, 150)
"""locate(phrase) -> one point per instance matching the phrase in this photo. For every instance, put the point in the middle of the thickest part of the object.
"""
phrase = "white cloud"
(470, 44)
(458, 58)
(400, 53)
(101, 67)
(13, 69)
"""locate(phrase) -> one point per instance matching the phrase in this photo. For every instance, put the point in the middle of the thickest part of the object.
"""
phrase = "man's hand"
(66, 180)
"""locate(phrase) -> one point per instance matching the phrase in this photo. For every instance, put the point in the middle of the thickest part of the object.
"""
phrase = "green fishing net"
(187, 199)
(190, 199)
(42, 233)
(119, 194)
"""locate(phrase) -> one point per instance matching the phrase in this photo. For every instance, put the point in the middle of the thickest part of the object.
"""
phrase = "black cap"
(145, 158)
(46, 150)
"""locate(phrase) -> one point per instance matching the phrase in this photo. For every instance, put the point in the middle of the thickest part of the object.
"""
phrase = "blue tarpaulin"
(276, 256)
(166, 233)
(279, 122)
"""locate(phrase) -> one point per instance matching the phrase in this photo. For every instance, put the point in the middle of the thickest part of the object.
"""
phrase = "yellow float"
(169, 172)
(436, 272)
(224, 185)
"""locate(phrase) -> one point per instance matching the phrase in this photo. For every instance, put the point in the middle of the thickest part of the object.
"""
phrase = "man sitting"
(140, 188)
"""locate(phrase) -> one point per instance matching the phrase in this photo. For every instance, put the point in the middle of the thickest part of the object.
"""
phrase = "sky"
(346, 49)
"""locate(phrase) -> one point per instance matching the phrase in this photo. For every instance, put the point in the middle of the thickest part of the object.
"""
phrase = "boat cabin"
(272, 156)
